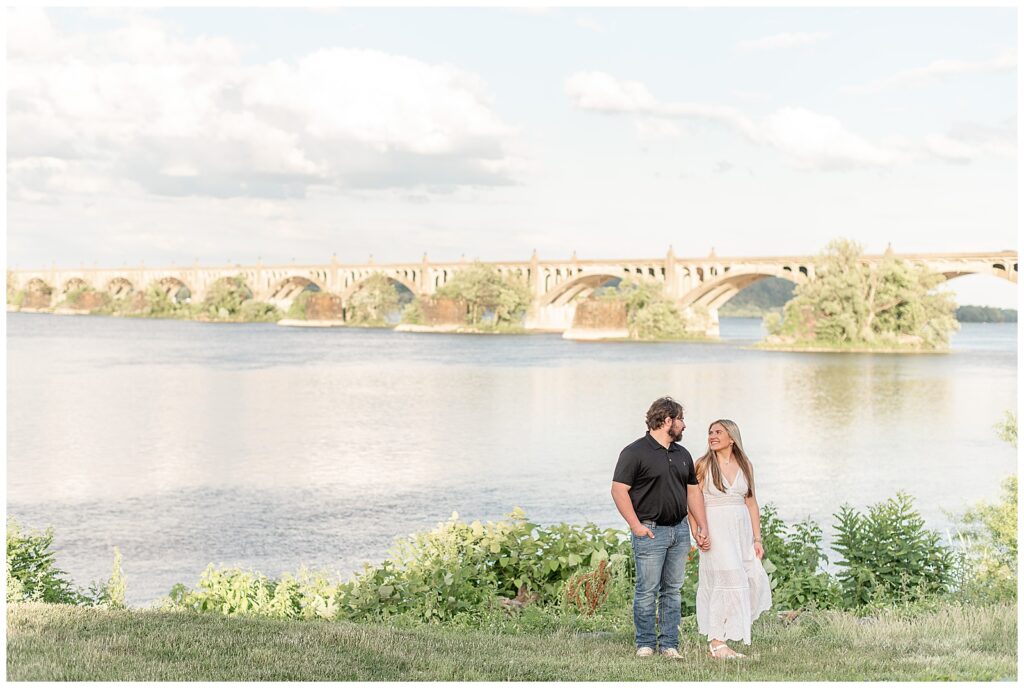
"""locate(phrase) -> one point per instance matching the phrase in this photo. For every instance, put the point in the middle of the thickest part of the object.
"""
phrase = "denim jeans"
(660, 566)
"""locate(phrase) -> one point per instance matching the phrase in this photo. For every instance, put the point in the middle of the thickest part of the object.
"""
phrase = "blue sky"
(229, 134)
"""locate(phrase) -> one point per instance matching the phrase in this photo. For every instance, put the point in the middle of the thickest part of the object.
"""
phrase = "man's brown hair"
(663, 408)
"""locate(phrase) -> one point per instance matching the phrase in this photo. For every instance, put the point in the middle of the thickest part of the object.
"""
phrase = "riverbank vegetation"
(516, 600)
(488, 301)
(985, 314)
(891, 305)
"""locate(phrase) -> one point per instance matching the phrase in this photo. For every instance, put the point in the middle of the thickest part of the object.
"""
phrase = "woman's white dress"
(733, 588)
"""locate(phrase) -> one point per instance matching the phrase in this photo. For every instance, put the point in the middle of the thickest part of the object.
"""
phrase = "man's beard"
(675, 436)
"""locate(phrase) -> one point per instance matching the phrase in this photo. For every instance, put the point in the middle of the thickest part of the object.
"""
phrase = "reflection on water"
(267, 447)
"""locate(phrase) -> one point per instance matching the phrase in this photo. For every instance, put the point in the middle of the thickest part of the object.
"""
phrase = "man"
(653, 486)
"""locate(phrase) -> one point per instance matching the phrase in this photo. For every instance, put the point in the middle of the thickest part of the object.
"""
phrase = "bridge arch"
(291, 286)
(1006, 270)
(73, 283)
(354, 283)
(713, 295)
(119, 287)
(174, 288)
(563, 293)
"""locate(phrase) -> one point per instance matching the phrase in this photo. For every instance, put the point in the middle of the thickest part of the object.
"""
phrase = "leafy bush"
(99, 299)
(795, 562)
(488, 293)
(373, 301)
(259, 311)
(456, 570)
(650, 314)
(225, 297)
(1007, 428)
(297, 309)
(991, 548)
(413, 313)
(889, 556)
(32, 573)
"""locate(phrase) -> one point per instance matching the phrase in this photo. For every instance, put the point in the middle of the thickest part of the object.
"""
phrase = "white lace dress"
(733, 588)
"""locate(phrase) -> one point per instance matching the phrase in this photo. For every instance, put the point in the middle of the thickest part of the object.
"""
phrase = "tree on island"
(373, 301)
(850, 303)
(487, 292)
(649, 313)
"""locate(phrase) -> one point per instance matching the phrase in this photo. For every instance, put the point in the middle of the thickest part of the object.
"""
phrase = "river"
(267, 447)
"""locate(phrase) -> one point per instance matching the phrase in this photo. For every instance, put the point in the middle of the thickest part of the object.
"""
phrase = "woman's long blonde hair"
(707, 461)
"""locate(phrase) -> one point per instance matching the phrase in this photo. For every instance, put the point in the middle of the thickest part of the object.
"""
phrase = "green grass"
(57, 642)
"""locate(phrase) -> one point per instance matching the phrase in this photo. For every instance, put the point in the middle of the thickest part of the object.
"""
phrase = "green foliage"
(649, 313)
(372, 302)
(157, 303)
(413, 313)
(73, 298)
(991, 534)
(225, 297)
(17, 299)
(32, 573)
(1007, 428)
(985, 314)
(488, 294)
(795, 562)
(889, 556)
(455, 571)
(297, 309)
(891, 304)
(110, 593)
(230, 299)
(259, 311)
(235, 592)
(760, 298)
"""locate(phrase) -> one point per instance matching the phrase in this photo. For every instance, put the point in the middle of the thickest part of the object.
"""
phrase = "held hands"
(703, 539)
(758, 550)
(642, 531)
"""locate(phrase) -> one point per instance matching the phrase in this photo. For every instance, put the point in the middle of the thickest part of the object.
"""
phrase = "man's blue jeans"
(660, 566)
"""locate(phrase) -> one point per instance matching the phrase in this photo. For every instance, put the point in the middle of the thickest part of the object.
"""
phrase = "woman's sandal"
(713, 651)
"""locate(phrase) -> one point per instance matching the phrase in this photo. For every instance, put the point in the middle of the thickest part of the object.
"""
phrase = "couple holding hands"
(664, 497)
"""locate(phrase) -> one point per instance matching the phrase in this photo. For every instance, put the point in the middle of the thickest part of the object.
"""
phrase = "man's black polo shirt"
(657, 478)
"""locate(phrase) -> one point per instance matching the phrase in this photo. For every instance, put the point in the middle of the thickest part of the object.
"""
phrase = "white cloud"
(190, 117)
(782, 40)
(808, 139)
(939, 69)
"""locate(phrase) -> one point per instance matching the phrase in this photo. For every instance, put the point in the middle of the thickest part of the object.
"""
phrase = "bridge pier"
(550, 318)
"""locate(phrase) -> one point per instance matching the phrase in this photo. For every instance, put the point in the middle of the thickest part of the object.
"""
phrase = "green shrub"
(488, 293)
(455, 571)
(795, 562)
(225, 297)
(297, 309)
(32, 573)
(259, 311)
(413, 313)
(990, 531)
(372, 302)
(649, 313)
(109, 593)
(889, 556)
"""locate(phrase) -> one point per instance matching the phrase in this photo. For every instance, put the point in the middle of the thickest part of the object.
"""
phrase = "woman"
(733, 587)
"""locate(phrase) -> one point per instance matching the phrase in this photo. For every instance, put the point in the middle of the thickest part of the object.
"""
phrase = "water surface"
(267, 447)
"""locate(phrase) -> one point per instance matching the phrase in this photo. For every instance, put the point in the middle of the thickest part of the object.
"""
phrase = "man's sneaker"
(671, 653)
(644, 651)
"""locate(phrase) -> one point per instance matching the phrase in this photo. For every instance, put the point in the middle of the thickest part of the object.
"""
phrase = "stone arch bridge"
(556, 285)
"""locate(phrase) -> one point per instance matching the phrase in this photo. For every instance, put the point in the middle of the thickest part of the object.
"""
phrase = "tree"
(649, 313)
(487, 291)
(850, 302)
(373, 301)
